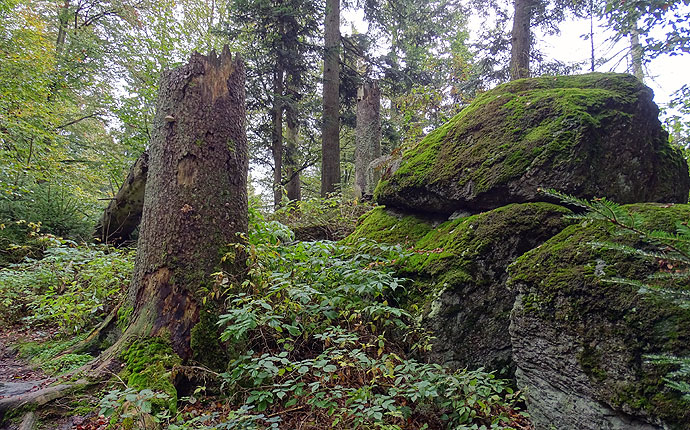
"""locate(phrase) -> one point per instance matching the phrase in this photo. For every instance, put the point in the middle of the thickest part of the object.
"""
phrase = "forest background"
(78, 83)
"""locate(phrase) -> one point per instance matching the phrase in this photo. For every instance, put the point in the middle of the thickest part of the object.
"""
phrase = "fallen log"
(123, 214)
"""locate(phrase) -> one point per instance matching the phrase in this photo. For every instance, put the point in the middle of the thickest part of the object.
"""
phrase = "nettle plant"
(323, 342)
(670, 250)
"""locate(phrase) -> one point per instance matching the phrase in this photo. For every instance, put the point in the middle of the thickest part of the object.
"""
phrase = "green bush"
(313, 219)
(71, 287)
(319, 333)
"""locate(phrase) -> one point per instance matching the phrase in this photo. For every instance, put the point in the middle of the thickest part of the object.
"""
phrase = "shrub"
(318, 334)
(71, 287)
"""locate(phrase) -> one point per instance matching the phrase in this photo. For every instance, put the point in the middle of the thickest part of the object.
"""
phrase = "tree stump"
(195, 202)
(367, 138)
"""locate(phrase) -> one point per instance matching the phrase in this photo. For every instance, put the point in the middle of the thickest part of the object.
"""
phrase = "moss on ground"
(563, 282)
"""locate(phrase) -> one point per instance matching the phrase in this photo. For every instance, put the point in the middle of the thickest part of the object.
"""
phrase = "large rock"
(580, 343)
(459, 274)
(594, 135)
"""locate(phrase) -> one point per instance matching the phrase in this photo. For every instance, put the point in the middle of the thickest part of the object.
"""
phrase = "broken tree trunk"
(367, 138)
(123, 214)
(293, 186)
(195, 202)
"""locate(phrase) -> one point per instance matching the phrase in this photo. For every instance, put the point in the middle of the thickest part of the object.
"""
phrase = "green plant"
(319, 218)
(132, 408)
(319, 331)
(671, 252)
(49, 355)
(71, 286)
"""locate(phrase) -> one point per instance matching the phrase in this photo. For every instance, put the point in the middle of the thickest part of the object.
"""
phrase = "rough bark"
(196, 198)
(123, 214)
(330, 144)
(520, 40)
(293, 184)
(277, 134)
(367, 138)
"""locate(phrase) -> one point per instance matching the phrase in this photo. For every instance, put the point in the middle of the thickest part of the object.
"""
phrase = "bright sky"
(665, 74)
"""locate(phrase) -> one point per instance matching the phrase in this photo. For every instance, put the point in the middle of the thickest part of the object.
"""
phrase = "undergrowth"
(323, 341)
(71, 287)
(314, 219)
(317, 342)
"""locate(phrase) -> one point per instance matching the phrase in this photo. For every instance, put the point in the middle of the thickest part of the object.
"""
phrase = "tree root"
(35, 399)
(28, 422)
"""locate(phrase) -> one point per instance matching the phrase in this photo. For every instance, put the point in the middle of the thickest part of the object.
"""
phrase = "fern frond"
(630, 250)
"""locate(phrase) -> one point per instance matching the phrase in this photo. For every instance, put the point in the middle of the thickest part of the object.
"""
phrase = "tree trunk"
(293, 185)
(520, 38)
(636, 54)
(195, 201)
(63, 21)
(367, 137)
(330, 144)
(123, 214)
(277, 134)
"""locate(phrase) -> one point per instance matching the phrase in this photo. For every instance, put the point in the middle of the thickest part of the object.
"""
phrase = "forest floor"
(18, 377)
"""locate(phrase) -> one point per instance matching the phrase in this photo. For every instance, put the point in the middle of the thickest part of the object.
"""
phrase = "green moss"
(459, 243)
(124, 315)
(515, 128)
(562, 282)
(205, 341)
(385, 227)
(50, 357)
(149, 363)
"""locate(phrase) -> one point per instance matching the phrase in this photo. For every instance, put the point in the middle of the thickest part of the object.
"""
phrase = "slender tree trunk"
(591, 35)
(636, 54)
(63, 18)
(330, 145)
(293, 185)
(520, 38)
(367, 137)
(123, 214)
(277, 133)
(195, 201)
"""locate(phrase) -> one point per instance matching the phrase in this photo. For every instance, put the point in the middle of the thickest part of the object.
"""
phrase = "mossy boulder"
(580, 341)
(385, 226)
(458, 269)
(460, 280)
(594, 135)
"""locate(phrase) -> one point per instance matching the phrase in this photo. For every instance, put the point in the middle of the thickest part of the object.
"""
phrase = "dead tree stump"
(195, 201)
(367, 137)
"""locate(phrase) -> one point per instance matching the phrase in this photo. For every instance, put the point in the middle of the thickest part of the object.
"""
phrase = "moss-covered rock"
(459, 273)
(460, 280)
(580, 342)
(386, 226)
(595, 135)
